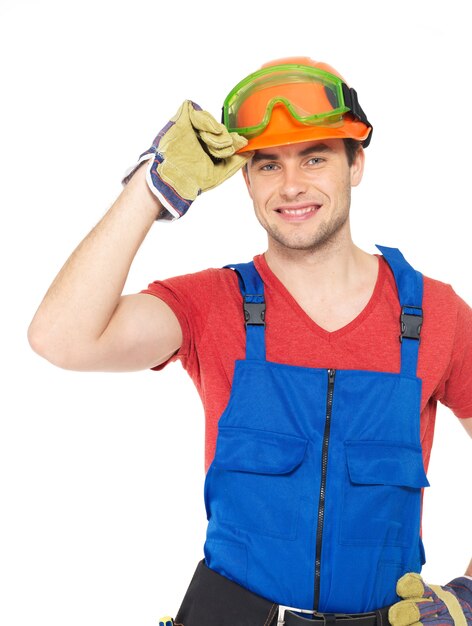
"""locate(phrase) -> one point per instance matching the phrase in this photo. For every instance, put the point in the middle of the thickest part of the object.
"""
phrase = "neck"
(328, 264)
(331, 269)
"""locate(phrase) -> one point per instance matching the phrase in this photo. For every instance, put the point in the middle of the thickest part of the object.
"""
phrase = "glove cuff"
(462, 587)
(128, 175)
(175, 206)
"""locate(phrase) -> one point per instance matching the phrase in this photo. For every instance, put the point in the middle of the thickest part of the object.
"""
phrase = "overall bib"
(313, 497)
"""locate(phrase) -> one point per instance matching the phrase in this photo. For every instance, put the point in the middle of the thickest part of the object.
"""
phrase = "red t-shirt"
(208, 305)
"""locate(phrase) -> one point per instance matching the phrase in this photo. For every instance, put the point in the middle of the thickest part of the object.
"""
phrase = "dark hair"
(351, 146)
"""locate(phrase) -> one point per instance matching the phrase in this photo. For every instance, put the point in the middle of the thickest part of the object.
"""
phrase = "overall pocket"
(382, 490)
(253, 482)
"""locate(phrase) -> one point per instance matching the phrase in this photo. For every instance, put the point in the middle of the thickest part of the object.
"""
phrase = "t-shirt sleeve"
(189, 296)
(455, 390)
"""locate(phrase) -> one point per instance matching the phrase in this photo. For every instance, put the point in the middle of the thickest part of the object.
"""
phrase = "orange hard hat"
(292, 100)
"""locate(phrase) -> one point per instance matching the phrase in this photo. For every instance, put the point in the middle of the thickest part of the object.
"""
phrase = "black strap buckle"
(410, 323)
(254, 313)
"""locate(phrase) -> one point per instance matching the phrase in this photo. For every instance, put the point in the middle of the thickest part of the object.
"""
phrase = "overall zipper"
(324, 468)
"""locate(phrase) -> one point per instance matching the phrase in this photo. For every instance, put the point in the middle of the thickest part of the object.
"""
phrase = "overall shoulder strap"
(252, 291)
(409, 284)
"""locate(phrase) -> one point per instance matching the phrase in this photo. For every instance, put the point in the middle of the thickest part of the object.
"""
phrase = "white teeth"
(298, 211)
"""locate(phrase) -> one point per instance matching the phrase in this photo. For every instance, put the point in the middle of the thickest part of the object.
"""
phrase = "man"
(319, 420)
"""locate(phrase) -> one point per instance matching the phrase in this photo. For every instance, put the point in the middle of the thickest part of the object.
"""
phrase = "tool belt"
(213, 600)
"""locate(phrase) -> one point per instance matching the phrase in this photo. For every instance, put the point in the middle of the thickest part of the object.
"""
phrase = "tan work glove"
(191, 154)
(432, 605)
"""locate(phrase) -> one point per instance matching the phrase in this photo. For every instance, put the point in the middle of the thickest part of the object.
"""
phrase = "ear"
(357, 168)
(247, 180)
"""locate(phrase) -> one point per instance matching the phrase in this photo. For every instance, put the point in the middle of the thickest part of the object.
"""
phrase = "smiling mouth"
(303, 211)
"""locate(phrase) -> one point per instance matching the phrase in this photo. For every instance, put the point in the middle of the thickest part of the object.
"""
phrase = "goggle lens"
(311, 95)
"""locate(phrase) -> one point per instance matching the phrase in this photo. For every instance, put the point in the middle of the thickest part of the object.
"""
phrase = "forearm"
(81, 300)
(468, 571)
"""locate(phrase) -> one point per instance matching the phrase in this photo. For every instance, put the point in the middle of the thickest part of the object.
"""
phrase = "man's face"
(302, 192)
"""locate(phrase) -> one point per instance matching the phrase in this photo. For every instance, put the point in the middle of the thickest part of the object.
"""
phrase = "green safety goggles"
(312, 95)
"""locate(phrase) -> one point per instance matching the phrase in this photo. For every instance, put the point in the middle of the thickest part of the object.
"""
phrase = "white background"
(102, 520)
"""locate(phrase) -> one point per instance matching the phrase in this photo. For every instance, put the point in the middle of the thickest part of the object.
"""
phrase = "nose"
(292, 182)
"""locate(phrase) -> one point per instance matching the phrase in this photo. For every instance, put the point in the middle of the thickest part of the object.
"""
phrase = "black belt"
(376, 618)
(213, 600)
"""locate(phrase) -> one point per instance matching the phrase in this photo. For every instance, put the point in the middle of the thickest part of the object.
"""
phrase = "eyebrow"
(261, 155)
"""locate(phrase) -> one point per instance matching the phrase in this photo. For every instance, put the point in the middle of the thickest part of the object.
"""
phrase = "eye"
(268, 167)
(315, 160)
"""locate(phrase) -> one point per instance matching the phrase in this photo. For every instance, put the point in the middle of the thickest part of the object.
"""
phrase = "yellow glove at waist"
(432, 605)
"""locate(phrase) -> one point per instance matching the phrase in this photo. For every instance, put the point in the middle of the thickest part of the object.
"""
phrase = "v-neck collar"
(271, 280)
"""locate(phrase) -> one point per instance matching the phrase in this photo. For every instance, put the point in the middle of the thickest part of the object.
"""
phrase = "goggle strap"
(351, 101)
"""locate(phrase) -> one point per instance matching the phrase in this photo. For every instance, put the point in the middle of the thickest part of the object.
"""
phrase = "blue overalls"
(313, 496)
